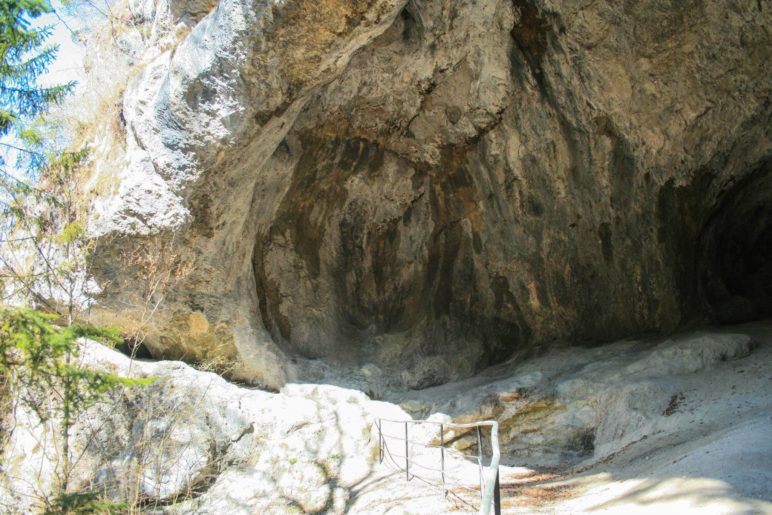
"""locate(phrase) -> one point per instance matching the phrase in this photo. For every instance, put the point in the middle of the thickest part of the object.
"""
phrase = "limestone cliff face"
(430, 186)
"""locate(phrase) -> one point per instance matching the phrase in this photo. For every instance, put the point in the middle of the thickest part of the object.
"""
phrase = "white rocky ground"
(665, 426)
(674, 425)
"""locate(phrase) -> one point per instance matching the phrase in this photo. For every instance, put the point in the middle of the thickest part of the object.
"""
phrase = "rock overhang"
(451, 183)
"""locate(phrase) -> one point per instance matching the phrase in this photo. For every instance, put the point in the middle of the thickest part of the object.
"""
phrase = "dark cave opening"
(135, 348)
(735, 258)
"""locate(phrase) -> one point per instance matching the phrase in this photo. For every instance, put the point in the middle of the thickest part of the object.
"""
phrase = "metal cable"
(486, 491)
(459, 481)
(434, 484)
(414, 442)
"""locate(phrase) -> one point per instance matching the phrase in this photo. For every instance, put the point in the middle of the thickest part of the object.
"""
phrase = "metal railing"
(490, 492)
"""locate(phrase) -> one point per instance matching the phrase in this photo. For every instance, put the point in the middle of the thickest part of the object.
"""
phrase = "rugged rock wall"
(429, 186)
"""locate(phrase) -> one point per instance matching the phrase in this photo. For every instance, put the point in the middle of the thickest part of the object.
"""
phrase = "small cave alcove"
(735, 257)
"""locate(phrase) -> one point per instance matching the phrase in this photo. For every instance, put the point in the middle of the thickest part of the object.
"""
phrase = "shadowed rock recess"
(428, 187)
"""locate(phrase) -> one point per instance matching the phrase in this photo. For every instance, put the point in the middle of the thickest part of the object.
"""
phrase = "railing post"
(380, 442)
(442, 455)
(407, 460)
(490, 488)
(497, 495)
(479, 459)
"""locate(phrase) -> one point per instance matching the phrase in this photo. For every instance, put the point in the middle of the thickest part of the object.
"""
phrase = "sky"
(69, 60)
(67, 66)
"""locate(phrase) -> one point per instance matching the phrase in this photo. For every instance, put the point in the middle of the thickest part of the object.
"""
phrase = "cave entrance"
(735, 267)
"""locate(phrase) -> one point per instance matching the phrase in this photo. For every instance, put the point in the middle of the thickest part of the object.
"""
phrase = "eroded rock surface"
(427, 187)
(192, 432)
(674, 424)
(587, 404)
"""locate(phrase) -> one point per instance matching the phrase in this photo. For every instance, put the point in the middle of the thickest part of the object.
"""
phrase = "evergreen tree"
(24, 57)
(43, 256)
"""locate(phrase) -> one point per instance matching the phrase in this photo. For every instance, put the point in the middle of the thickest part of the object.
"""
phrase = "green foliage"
(42, 245)
(84, 503)
(70, 233)
(30, 136)
(44, 251)
(45, 245)
(39, 365)
(39, 357)
(23, 59)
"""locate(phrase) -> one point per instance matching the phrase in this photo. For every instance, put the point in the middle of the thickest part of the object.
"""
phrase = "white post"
(486, 494)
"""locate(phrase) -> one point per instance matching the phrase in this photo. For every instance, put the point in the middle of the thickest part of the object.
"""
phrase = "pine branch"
(20, 149)
(72, 32)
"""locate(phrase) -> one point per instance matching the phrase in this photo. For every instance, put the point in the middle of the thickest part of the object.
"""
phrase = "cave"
(374, 259)
(735, 268)
(434, 188)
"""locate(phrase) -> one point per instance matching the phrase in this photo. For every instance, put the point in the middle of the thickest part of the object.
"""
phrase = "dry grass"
(519, 496)
(534, 489)
(222, 365)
